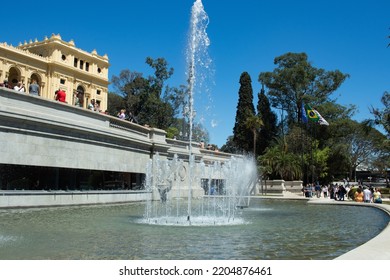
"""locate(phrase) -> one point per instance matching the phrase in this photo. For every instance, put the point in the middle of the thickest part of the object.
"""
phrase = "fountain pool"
(273, 230)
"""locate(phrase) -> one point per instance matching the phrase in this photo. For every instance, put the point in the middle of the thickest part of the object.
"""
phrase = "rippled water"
(273, 230)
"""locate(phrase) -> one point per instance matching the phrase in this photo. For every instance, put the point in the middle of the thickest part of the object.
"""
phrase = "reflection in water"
(275, 230)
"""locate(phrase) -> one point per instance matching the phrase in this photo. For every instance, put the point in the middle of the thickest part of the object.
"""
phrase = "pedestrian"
(341, 192)
(367, 195)
(325, 191)
(317, 189)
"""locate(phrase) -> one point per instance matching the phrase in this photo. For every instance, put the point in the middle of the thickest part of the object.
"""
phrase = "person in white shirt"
(20, 87)
(367, 195)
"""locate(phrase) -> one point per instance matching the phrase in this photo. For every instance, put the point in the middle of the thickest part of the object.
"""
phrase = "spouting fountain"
(222, 188)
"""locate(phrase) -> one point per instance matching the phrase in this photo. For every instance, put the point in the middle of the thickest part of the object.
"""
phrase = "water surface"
(273, 230)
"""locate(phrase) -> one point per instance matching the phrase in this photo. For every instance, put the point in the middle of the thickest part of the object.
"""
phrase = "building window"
(63, 57)
(81, 64)
(99, 70)
(87, 66)
(98, 92)
(62, 81)
(75, 62)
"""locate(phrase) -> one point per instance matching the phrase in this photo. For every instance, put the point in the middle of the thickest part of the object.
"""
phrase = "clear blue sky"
(245, 35)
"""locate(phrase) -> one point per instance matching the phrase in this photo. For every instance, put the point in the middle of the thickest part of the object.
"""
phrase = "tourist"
(367, 195)
(19, 87)
(122, 114)
(33, 89)
(60, 95)
(91, 105)
(308, 191)
(132, 118)
(97, 107)
(317, 189)
(77, 99)
(325, 191)
(377, 196)
(359, 195)
(5, 84)
(335, 191)
(347, 189)
(341, 192)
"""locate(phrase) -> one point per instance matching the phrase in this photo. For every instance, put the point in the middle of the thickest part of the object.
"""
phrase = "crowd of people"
(343, 192)
(33, 88)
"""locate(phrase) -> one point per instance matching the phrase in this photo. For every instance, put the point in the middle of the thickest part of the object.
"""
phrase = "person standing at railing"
(91, 105)
(122, 114)
(33, 89)
(19, 87)
(60, 96)
(5, 84)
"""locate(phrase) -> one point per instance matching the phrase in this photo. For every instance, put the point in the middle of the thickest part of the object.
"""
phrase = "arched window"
(13, 76)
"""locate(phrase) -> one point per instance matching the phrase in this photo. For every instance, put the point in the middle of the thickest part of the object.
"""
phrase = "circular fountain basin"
(269, 230)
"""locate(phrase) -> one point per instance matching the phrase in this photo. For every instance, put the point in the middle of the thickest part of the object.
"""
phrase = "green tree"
(268, 132)
(280, 163)
(147, 98)
(241, 133)
(353, 144)
(115, 103)
(295, 81)
(254, 123)
(229, 146)
(382, 116)
(316, 161)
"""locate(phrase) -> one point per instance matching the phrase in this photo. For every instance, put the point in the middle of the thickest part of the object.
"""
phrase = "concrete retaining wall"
(14, 199)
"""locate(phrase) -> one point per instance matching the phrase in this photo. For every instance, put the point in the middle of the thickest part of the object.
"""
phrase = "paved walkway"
(377, 248)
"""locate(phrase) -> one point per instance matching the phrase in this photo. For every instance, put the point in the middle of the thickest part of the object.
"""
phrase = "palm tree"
(280, 162)
(254, 123)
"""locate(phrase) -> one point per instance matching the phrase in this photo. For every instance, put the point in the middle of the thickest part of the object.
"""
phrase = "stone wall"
(279, 186)
(16, 199)
(39, 132)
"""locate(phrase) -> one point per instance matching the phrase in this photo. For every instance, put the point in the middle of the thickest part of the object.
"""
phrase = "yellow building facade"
(56, 64)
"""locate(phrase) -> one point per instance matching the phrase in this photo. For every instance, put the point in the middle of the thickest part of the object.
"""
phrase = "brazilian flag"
(311, 114)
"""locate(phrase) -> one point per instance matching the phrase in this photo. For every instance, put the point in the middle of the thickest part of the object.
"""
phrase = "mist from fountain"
(220, 204)
(171, 178)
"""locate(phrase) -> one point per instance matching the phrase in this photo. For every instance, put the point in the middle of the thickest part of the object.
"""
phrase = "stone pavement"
(377, 248)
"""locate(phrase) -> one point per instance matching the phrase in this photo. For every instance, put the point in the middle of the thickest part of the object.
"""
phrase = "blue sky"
(245, 35)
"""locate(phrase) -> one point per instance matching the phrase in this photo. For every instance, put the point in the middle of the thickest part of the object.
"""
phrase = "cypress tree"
(269, 130)
(242, 135)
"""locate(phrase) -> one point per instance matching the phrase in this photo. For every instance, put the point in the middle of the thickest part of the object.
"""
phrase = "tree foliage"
(295, 81)
(279, 163)
(254, 123)
(268, 131)
(382, 116)
(148, 98)
(245, 109)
